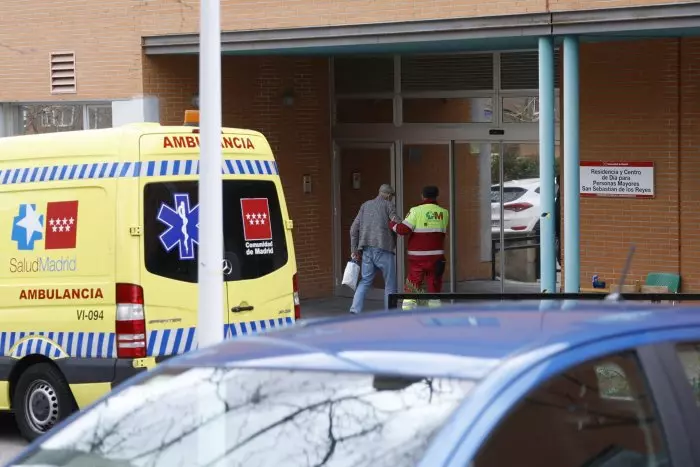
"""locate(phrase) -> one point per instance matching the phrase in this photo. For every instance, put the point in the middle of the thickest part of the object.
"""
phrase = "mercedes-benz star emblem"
(228, 267)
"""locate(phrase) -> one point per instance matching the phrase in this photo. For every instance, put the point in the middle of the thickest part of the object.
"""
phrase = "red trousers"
(425, 269)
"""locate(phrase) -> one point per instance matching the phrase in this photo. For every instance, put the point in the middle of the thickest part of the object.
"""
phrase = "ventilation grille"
(63, 73)
(469, 72)
(519, 70)
(356, 75)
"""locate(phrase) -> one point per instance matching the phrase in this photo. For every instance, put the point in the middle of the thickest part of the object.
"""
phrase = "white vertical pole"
(210, 322)
(210, 319)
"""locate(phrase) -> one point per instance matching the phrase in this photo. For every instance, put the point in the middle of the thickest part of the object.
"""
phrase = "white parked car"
(521, 206)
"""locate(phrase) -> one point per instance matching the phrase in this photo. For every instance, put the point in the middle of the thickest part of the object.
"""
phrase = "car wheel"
(41, 400)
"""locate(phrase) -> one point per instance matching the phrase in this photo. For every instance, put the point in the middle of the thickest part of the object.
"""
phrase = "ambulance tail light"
(297, 304)
(130, 322)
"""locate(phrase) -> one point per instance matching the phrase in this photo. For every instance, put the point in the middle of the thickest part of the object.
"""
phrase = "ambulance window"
(254, 237)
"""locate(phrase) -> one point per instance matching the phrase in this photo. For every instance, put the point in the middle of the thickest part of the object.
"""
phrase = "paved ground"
(11, 443)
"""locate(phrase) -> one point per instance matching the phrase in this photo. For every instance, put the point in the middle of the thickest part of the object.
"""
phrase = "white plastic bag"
(351, 274)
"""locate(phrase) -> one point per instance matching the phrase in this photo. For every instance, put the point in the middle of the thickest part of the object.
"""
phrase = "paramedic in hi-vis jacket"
(426, 227)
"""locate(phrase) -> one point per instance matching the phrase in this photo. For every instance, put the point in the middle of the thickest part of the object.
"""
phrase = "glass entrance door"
(516, 208)
(360, 169)
(497, 214)
(426, 164)
(476, 217)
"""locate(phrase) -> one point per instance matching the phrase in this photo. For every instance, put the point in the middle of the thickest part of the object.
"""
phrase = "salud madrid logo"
(58, 228)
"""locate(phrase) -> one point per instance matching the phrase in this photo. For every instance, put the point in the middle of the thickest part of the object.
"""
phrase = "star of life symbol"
(183, 226)
(27, 227)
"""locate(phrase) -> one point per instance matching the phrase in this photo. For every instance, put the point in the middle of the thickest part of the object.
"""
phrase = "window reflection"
(51, 118)
(524, 109)
(689, 355)
(263, 418)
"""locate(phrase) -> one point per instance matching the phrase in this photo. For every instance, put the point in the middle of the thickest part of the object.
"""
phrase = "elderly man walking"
(373, 241)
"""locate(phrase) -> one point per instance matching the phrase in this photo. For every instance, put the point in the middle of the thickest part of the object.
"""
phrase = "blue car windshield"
(258, 418)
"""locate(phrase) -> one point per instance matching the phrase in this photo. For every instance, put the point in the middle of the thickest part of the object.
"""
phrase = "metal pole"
(397, 156)
(210, 319)
(548, 267)
(453, 221)
(572, 269)
(501, 250)
(211, 440)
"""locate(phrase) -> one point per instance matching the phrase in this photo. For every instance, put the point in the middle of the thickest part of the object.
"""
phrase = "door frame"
(340, 257)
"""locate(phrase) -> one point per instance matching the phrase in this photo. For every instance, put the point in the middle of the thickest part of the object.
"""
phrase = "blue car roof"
(459, 341)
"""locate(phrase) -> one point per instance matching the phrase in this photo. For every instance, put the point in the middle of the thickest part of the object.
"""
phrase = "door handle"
(238, 309)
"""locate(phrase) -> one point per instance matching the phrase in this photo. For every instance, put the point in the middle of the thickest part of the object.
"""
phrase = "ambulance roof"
(99, 143)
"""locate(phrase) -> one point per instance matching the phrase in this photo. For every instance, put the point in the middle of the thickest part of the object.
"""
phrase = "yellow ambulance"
(98, 265)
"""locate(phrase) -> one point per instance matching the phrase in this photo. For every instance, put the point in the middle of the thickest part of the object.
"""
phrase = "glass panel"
(689, 355)
(364, 111)
(170, 247)
(447, 110)
(99, 116)
(525, 109)
(259, 418)
(459, 72)
(520, 70)
(600, 413)
(521, 215)
(362, 171)
(50, 118)
(423, 165)
(363, 75)
(472, 212)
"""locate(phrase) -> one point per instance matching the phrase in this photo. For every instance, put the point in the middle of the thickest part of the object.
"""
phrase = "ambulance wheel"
(41, 400)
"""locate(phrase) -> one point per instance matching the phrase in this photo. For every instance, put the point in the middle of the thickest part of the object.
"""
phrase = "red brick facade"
(299, 135)
(640, 100)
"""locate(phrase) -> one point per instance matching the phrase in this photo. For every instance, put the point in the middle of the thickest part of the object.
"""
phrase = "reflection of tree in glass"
(51, 118)
(339, 419)
(515, 166)
(273, 418)
(521, 110)
(160, 423)
(612, 381)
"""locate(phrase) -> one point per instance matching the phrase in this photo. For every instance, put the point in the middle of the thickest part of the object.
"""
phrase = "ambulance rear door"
(170, 213)
(259, 268)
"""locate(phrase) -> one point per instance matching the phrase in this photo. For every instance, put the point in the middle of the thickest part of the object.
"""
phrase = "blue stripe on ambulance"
(130, 169)
(161, 342)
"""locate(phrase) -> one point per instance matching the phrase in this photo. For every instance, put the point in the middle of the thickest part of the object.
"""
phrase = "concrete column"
(548, 267)
(572, 251)
(135, 110)
(3, 118)
(8, 120)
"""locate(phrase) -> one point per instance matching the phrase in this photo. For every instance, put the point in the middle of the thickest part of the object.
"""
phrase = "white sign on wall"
(617, 179)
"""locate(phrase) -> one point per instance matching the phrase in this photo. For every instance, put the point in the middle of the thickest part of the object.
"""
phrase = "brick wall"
(690, 164)
(639, 101)
(299, 136)
(106, 34)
